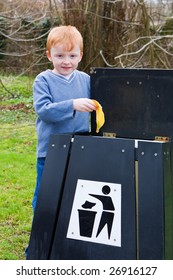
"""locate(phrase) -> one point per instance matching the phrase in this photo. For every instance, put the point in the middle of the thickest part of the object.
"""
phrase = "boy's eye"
(72, 56)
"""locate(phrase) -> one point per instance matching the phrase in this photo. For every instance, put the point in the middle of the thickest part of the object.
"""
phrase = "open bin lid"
(137, 103)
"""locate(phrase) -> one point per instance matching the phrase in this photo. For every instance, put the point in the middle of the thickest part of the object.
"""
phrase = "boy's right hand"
(84, 105)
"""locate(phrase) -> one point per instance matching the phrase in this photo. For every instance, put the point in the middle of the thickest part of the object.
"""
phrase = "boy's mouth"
(66, 67)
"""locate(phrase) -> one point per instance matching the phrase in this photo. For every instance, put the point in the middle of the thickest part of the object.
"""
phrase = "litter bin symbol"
(93, 216)
(87, 217)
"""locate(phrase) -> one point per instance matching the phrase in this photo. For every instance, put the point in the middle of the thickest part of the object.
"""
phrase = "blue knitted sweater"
(53, 103)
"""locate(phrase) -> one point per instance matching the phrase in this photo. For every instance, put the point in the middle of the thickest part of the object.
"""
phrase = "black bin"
(131, 155)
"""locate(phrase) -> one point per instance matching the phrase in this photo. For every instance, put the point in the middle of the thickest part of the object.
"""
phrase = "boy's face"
(64, 62)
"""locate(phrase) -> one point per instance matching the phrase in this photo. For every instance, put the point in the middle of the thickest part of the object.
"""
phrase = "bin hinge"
(162, 138)
(109, 134)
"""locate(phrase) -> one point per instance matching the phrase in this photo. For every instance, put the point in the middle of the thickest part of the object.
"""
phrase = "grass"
(17, 165)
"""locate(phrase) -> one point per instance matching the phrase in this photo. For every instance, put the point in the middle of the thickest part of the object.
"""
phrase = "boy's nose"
(66, 59)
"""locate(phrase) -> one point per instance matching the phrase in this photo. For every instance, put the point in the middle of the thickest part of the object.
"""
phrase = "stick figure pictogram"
(88, 217)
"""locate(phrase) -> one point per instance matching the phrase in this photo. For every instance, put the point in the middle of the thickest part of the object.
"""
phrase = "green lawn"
(17, 166)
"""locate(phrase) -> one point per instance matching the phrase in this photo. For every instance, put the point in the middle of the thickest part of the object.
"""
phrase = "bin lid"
(137, 103)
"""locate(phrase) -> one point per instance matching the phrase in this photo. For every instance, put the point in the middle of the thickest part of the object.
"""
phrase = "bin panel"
(137, 102)
(168, 199)
(49, 198)
(151, 202)
(97, 164)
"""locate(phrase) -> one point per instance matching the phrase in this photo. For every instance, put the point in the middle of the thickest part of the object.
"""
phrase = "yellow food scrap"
(100, 117)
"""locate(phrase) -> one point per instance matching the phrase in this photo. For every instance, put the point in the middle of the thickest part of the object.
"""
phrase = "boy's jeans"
(39, 167)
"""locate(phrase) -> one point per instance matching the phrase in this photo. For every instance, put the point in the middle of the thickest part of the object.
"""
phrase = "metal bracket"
(109, 134)
(162, 138)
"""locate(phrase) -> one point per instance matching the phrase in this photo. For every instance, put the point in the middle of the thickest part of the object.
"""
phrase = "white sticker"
(96, 213)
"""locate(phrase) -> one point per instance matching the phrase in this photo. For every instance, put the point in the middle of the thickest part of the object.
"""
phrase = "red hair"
(68, 36)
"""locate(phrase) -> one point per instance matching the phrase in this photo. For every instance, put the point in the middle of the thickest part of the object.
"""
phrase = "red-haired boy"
(61, 95)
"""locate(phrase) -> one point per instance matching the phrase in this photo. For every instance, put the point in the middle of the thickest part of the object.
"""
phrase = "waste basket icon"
(86, 222)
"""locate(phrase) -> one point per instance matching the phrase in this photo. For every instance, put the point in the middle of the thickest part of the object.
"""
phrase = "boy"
(62, 95)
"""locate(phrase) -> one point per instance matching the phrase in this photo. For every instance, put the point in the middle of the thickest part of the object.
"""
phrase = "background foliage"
(127, 33)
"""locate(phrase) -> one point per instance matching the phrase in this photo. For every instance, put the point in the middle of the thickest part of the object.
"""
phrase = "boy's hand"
(84, 105)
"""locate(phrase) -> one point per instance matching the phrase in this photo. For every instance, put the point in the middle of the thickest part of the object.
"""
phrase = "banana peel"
(100, 117)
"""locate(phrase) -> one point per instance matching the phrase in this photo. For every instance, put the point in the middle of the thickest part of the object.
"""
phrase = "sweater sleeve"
(46, 108)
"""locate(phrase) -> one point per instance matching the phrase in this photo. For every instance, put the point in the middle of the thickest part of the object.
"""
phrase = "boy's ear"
(48, 55)
(81, 55)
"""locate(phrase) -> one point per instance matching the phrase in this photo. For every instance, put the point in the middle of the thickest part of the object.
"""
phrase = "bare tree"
(122, 33)
(23, 32)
